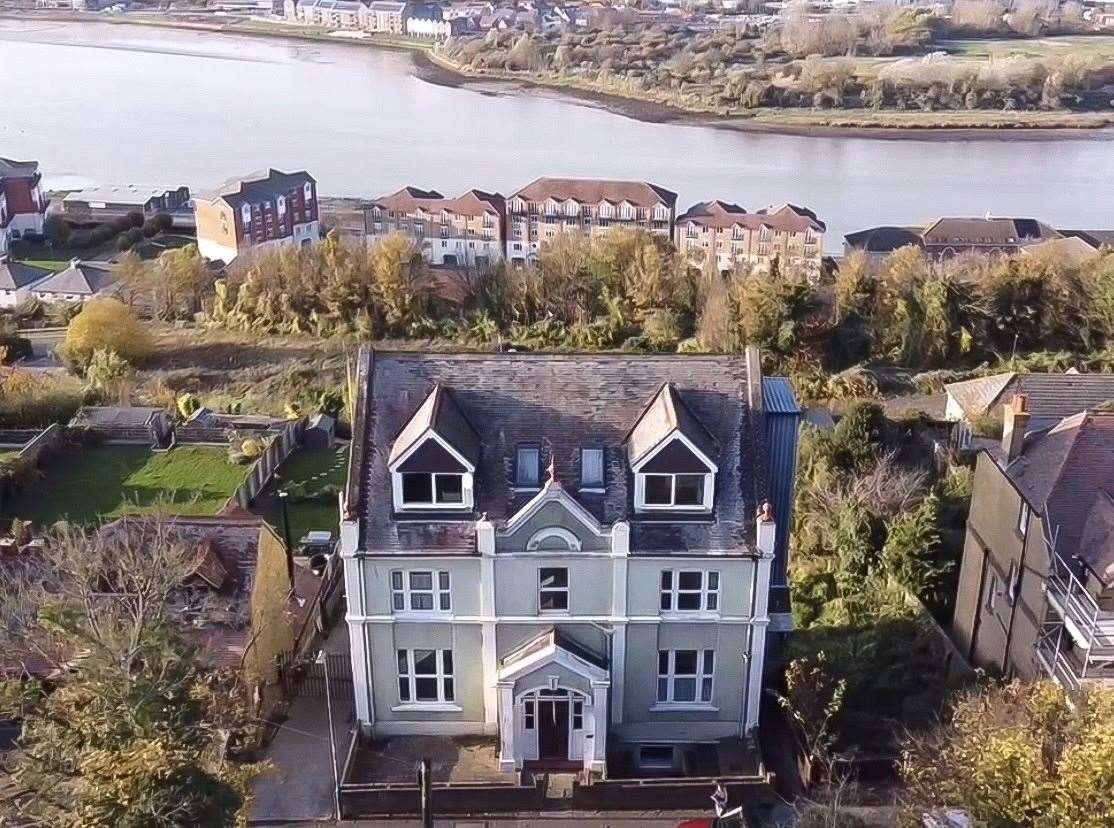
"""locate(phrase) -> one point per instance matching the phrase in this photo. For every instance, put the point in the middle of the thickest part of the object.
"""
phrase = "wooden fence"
(263, 469)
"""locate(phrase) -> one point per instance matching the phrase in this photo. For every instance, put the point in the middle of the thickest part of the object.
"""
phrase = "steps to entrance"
(559, 785)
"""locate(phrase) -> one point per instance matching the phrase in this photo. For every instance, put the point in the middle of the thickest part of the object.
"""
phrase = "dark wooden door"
(553, 730)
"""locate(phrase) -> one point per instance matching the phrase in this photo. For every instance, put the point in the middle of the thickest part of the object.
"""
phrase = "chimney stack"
(1015, 422)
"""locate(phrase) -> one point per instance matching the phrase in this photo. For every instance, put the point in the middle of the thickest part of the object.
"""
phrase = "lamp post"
(323, 660)
(282, 497)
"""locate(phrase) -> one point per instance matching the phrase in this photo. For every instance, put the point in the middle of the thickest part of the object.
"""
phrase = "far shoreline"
(433, 71)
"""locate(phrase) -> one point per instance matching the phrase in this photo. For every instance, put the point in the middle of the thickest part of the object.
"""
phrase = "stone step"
(559, 785)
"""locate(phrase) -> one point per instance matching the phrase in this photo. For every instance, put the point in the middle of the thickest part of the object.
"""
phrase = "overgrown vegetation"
(880, 57)
(1017, 755)
(874, 535)
(133, 732)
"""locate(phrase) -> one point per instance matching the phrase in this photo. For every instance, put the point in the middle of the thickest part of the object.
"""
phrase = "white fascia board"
(675, 434)
(553, 494)
(430, 434)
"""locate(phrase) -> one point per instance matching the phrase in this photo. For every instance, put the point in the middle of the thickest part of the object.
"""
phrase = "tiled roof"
(1049, 395)
(469, 203)
(884, 239)
(987, 230)
(81, 278)
(563, 402)
(16, 275)
(595, 190)
(1067, 473)
(721, 215)
(1070, 250)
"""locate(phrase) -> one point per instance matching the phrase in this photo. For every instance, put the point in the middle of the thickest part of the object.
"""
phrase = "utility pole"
(425, 787)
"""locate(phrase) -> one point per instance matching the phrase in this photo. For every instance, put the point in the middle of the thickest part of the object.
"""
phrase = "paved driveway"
(299, 787)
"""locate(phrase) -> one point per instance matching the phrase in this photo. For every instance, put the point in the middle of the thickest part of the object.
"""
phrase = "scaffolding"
(1076, 642)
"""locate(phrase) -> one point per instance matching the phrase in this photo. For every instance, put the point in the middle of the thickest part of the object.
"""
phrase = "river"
(103, 103)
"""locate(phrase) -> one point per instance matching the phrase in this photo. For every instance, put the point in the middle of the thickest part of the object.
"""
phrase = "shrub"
(108, 324)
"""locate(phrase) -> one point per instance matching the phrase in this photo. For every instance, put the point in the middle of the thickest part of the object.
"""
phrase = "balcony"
(1077, 640)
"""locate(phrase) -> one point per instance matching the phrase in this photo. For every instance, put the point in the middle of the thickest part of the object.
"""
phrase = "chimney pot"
(1014, 423)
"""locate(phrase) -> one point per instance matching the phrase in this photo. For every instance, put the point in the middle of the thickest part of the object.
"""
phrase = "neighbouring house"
(568, 554)
(1036, 585)
(262, 211)
(430, 23)
(22, 203)
(1069, 250)
(389, 16)
(548, 206)
(976, 405)
(143, 425)
(950, 236)
(101, 204)
(79, 282)
(727, 234)
(466, 230)
(16, 281)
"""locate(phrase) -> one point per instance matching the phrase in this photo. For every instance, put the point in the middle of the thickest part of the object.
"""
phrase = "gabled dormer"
(671, 456)
(433, 459)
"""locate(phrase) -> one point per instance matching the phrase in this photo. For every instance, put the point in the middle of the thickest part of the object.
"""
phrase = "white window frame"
(245, 214)
(280, 206)
(703, 677)
(403, 591)
(411, 678)
(642, 763)
(1013, 584)
(523, 486)
(708, 592)
(555, 590)
(462, 505)
(993, 588)
(641, 505)
(307, 192)
(1023, 514)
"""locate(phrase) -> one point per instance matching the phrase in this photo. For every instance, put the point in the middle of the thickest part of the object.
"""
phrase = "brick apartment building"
(548, 206)
(788, 234)
(22, 205)
(261, 211)
(466, 230)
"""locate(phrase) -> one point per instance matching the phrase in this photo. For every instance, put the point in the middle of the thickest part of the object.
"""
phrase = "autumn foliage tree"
(105, 324)
(1017, 755)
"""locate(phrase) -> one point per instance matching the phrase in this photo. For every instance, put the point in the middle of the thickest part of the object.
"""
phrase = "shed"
(320, 432)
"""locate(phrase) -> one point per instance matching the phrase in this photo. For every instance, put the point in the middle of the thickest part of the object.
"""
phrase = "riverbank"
(647, 106)
(655, 107)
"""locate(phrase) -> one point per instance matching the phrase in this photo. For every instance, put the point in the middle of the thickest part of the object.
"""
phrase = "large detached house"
(569, 554)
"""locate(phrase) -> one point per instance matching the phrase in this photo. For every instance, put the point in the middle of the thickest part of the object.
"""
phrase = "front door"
(553, 729)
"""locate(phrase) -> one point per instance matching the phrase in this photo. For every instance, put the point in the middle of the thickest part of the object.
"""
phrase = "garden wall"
(50, 437)
(264, 468)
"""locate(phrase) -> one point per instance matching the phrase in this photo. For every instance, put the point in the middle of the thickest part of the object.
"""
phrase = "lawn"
(94, 484)
(1097, 46)
(307, 471)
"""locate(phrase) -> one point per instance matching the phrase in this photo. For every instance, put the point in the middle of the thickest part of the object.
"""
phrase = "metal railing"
(1090, 627)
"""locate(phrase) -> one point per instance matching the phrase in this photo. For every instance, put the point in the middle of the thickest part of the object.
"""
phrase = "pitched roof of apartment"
(258, 185)
(1071, 250)
(1097, 238)
(1049, 395)
(722, 214)
(1067, 473)
(10, 168)
(985, 230)
(563, 402)
(137, 194)
(16, 275)
(469, 203)
(81, 278)
(595, 190)
(884, 239)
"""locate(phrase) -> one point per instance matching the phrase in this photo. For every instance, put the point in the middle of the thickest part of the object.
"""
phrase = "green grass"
(314, 470)
(47, 264)
(101, 483)
(1098, 46)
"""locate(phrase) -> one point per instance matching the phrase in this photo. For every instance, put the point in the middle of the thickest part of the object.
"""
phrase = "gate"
(307, 676)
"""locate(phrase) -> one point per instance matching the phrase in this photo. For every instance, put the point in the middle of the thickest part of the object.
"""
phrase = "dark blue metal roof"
(777, 396)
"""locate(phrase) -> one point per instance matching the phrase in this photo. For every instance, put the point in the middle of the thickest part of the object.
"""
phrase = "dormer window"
(591, 469)
(671, 457)
(433, 459)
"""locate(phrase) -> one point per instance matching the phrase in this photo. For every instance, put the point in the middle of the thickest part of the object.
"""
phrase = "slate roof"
(1071, 250)
(17, 169)
(16, 275)
(258, 186)
(884, 239)
(664, 415)
(562, 402)
(81, 278)
(986, 230)
(439, 413)
(1050, 395)
(595, 190)
(1067, 473)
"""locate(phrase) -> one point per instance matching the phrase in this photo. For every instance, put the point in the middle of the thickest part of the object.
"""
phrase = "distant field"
(1100, 46)
(103, 483)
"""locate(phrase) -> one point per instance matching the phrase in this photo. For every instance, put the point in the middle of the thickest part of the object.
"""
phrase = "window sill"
(427, 707)
(689, 615)
(423, 615)
(592, 490)
(526, 489)
(552, 613)
(674, 707)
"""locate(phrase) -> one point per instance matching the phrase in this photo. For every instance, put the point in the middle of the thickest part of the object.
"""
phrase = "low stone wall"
(18, 436)
(50, 437)
(359, 801)
(123, 435)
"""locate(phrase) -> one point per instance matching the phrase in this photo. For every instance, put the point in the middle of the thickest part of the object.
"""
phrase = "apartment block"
(467, 230)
